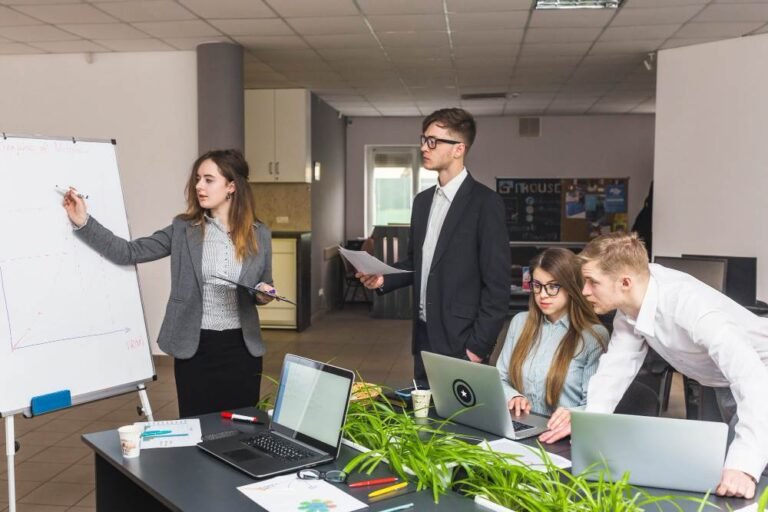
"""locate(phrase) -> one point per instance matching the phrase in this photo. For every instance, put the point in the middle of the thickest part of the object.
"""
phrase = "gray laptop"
(305, 430)
(475, 390)
(676, 454)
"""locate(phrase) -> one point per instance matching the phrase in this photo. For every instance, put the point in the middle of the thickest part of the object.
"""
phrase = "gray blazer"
(180, 333)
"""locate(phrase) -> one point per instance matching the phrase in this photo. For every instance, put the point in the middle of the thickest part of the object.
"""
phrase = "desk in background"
(189, 480)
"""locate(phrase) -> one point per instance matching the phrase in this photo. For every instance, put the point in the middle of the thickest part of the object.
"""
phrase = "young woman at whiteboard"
(552, 350)
(210, 326)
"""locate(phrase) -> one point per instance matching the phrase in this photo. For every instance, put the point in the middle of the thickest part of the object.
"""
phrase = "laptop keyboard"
(520, 426)
(277, 447)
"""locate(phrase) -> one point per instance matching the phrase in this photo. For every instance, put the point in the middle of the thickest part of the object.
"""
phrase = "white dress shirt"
(441, 202)
(704, 335)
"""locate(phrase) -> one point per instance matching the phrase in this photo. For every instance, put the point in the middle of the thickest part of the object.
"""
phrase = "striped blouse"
(537, 364)
(219, 297)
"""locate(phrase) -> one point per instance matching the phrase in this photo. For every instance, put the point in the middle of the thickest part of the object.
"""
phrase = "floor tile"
(58, 493)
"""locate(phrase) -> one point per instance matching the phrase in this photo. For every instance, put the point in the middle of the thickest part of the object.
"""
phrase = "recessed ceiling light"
(578, 4)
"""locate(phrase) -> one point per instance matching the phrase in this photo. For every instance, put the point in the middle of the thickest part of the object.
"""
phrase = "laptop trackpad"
(241, 455)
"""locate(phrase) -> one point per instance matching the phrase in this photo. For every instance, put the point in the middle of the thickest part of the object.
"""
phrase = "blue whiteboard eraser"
(51, 402)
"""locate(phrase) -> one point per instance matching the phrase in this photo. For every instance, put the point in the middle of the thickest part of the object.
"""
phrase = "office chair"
(352, 285)
(657, 374)
(639, 400)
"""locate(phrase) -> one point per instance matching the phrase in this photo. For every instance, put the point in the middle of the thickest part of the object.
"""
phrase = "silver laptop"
(310, 409)
(475, 390)
(684, 455)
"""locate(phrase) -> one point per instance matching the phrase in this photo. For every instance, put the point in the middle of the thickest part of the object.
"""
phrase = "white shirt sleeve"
(502, 364)
(617, 367)
(740, 364)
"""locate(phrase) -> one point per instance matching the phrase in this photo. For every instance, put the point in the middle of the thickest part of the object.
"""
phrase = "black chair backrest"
(639, 400)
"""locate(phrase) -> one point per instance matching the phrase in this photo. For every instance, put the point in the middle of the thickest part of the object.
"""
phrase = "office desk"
(187, 479)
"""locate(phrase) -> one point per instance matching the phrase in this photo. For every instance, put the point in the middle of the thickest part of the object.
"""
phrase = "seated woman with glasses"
(552, 350)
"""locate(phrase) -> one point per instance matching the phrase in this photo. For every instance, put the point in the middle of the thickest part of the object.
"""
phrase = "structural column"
(220, 119)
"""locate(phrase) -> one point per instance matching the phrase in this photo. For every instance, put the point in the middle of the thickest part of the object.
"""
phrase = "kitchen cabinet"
(292, 279)
(277, 135)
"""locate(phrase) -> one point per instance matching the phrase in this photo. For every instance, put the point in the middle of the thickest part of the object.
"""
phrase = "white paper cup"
(130, 440)
(420, 399)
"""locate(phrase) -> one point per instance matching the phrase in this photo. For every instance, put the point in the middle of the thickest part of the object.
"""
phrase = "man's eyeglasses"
(334, 476)
(552, 289)
(431, 141)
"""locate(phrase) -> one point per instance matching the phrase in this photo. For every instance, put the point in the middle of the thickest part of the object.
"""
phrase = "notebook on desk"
(305, 430)
(473, 392)
(669, 453)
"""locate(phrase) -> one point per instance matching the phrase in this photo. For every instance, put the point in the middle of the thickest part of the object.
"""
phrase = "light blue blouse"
(536, 365)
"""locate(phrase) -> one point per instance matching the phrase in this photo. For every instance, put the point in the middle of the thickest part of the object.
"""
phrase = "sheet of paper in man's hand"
(367, 264)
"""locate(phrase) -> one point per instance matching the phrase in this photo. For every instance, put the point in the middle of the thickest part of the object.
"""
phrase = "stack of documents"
(169, 434)
(529, 455)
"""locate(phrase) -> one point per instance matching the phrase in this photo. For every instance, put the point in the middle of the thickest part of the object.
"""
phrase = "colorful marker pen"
(62, 191)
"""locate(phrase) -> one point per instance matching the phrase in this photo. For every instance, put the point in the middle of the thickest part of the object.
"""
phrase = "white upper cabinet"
(277, 135)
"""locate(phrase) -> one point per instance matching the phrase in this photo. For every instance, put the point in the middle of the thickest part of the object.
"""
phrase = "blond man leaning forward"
(701, 332)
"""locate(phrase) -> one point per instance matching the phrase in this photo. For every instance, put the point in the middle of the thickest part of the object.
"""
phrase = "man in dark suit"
(458, 251)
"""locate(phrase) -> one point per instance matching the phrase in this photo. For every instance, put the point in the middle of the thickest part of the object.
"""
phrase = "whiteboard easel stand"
(10, 443)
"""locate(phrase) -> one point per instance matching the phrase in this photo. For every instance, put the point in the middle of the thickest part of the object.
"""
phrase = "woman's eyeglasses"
(334, 476)
(552, 289)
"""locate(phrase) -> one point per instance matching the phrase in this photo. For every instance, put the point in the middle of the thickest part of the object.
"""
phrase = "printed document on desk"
(170, 434)
(529, 455)
(367, 264)
(289, 492)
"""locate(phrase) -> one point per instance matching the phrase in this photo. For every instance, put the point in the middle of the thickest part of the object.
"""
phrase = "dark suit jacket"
(468, 288)
(183, 242)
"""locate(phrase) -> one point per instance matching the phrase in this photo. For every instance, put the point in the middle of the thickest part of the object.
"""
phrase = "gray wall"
(578, 146)
(328, 148)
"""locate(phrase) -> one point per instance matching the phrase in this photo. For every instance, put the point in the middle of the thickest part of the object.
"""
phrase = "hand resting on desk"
(519, 405)
(559, 425)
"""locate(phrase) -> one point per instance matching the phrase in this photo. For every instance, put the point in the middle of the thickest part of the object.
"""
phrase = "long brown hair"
(564, 267)
(233, 168)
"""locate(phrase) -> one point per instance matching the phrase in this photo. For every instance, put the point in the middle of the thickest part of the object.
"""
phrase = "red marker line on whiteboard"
(240, 417)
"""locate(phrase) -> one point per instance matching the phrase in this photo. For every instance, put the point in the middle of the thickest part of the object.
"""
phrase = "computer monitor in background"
(741, 278)
(710, 271)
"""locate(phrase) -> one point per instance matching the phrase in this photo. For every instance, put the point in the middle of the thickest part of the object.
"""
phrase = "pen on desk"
(62, 191)
(399, 507)
(375, 481)
(385, 490)
(240, 417)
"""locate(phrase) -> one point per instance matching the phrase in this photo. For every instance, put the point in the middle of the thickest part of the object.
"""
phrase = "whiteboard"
(69, 319)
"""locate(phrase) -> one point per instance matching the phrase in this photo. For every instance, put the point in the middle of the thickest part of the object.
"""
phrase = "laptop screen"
(312, 402)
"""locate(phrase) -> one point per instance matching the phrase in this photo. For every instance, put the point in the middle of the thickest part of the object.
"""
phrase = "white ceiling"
(404, 57)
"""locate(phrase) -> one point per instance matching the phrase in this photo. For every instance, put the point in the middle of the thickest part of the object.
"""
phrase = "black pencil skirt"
(222, 375)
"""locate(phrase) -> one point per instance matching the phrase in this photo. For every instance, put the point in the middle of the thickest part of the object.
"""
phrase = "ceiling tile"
(488, 5)
(190, 28)
(614, 47)
(414, 39)
(679, 42)
(487, 20)
(27, 34)
(262, 27)
(562, 35)
(271, 55)
(342, 41)
(37, 2)
(481, 52)
(17, 49)
(229, 8)
(10, 18)
(313, 65)
(104, 30)
(71, 13)
(191, 43)
(400, 6)
(304, 8)
(147, 10)
(631, 4)
(717, 29)
(655, 16)
(639, 32)
(555, 49)
(69, 46)
(405, 62)
(533, 59)
(353, 54)
(488, 37)
(358, 112)
(408, 22)
(566, 18)
(271, 42)
(484, 63)
(331, 25)
(134, 45)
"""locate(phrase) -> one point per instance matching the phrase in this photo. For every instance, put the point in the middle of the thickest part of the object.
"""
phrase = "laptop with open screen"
(684, 455)
(305, 430)
(475, 390)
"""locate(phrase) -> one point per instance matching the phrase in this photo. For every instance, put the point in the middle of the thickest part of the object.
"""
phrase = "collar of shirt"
(213, 221)
(449, 189)
(563, 321)
(646, 318)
